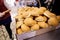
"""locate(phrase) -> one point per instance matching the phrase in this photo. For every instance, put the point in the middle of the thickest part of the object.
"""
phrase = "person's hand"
(2, 14)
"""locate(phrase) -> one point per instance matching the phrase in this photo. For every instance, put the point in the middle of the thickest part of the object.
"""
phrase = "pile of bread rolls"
(33, 18)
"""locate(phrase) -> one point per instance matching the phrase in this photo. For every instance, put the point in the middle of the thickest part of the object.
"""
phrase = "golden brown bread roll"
(19, 23)
(53, 21)
(43, 24)
(18, 17)
(35, 27)
(23, 11)
(58, 17)
(49, 14)
(20, 10)
(25, 14)
(25, 28)
(42, 10)
(29, 21)
(41, 18)
(19, 31)
(31, 17)
(34, 13)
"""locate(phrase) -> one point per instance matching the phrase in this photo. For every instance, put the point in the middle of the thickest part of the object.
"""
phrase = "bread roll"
(58, 17)
(25, 28)
(53, 21)
(35, 27)
(49, 14)
(41, 18)
(43, 24)
(29, 21)
(19, 31)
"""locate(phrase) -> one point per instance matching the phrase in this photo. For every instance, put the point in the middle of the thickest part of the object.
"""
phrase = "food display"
(33, 18)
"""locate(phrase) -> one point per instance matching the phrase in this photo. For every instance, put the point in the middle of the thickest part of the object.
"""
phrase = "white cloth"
(11, 6)
(9, 3)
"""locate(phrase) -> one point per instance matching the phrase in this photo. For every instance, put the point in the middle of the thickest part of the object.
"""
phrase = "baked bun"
(53, 21)
(41, 18)
(29, 21)
(43, 24)
(49, 14)
(25, 28)
(19, 31)
(35, 27)
(58, 17)
(19, 23)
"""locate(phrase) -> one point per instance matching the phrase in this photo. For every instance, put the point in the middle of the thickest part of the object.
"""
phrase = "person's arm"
(2, 14)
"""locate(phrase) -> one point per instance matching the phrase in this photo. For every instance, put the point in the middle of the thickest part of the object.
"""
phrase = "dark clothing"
(7, 26)
(2, 9)
(6, 19)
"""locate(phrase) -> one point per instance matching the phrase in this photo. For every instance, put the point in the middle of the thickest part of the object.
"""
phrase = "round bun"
(58, 17)
(53, 21)
(49, 14)
(41, 19)
(43, 24)
(19, 31)
(29, 21)
(35, 27)
(25, 28)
